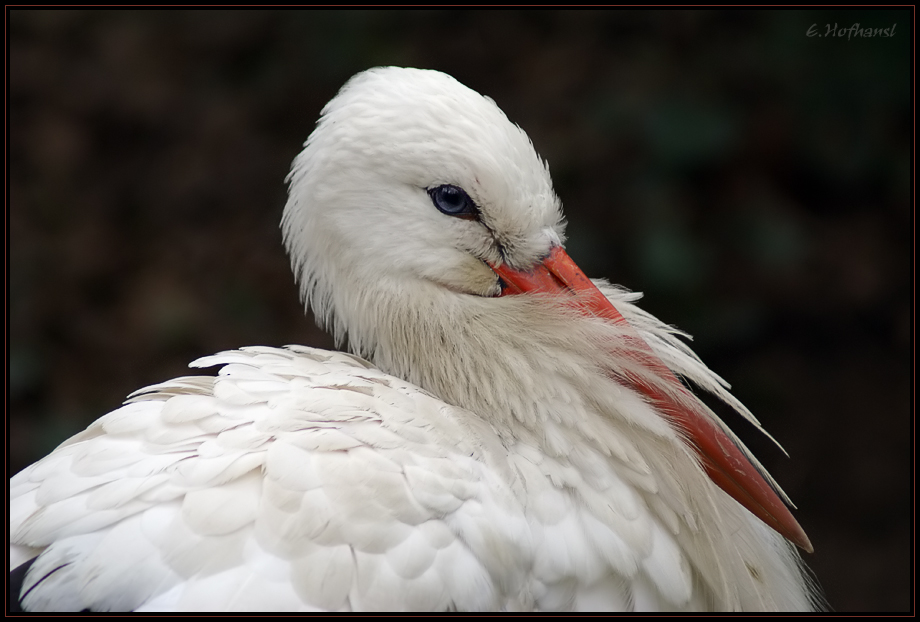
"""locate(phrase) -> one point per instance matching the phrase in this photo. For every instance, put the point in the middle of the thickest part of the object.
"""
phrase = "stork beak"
(724, 462)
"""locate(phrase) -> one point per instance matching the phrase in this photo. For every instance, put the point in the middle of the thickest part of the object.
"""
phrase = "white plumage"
(509, 452)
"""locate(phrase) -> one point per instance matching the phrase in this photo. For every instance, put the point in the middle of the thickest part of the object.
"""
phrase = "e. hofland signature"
(856, 30)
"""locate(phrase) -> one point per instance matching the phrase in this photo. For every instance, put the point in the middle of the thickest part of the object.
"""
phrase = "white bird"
(518, 440)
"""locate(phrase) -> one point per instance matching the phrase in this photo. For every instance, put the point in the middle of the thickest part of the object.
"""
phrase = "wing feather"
(304, 480)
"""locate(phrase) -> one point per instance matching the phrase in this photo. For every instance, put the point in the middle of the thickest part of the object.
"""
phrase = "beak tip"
(800, 539)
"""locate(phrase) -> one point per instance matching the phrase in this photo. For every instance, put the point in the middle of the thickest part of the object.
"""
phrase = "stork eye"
(453, 201)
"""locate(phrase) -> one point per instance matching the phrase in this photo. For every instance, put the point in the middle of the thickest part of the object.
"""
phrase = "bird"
(504, 433)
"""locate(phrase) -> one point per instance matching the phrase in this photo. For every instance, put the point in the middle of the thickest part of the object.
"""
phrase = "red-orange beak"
(724, 462)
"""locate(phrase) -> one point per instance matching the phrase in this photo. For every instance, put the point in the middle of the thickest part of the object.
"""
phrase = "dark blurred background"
(754, 181)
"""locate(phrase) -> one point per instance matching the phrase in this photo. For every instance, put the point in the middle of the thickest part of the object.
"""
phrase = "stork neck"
(519, 363)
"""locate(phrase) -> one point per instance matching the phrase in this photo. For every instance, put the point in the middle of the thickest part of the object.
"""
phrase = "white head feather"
(359, 212)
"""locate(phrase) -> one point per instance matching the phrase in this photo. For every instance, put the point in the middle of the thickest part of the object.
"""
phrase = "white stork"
(518, 440)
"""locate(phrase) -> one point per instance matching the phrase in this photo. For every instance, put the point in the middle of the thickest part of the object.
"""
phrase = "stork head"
(412, 184)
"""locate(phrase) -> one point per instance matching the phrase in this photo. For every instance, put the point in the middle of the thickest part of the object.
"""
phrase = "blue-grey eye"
(453, 201)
